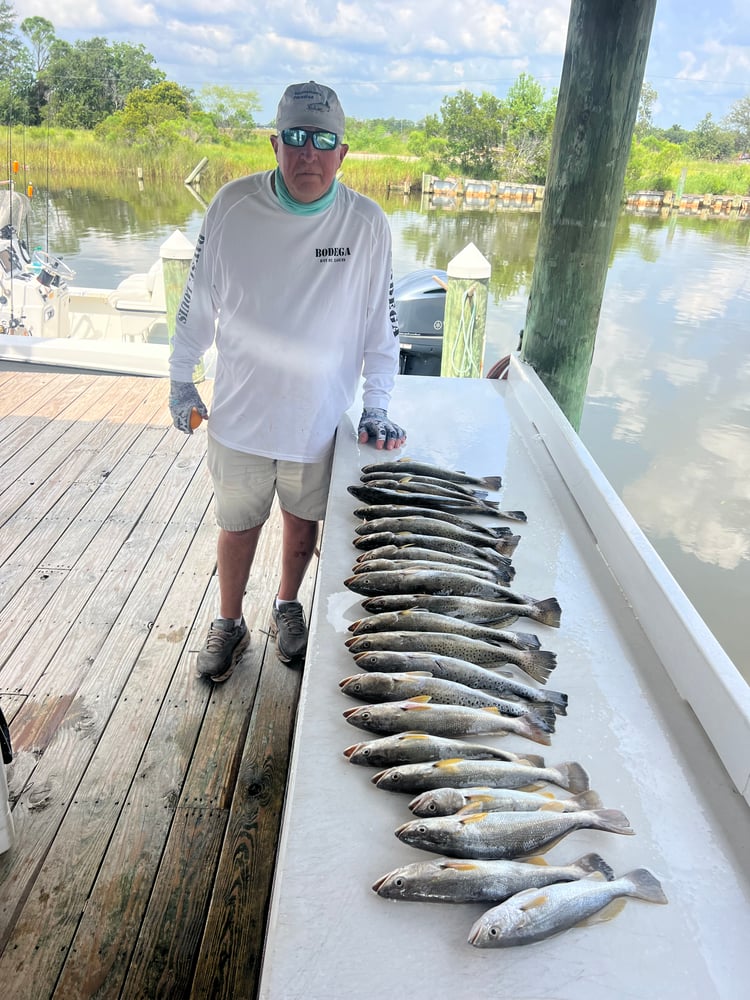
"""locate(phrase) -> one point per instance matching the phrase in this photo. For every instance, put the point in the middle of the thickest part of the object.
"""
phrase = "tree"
(709, 141)
(472, 129)
(16, 76)
(644, 124)
(89, 80)
(231, 110)
(155, 115)
(41, 34)
(738, 121)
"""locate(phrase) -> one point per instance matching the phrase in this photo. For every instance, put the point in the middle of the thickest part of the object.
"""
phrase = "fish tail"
(513, 515)
(547, 612)
(558, 700)
(612, 821)
(593, 862)
(574, 777)
(538, 663)
(587, 800)
(507, 545)
(533, 730)
(529, 640)
(645, 885)
(544, 714)
(491, 482)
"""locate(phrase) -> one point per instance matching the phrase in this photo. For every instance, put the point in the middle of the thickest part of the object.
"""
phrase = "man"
(291, 278)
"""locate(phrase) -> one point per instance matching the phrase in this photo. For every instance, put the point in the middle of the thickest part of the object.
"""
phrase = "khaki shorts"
(244, 486)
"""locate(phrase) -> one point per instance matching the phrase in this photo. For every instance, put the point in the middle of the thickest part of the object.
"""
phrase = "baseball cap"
(310, 105)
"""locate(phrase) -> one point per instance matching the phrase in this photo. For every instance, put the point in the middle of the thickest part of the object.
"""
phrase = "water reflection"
(667, 414)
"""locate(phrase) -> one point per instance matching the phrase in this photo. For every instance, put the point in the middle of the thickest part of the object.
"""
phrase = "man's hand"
(375, 426)
(183, 398)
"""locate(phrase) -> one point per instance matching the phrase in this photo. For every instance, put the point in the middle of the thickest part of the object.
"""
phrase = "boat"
(46, 319)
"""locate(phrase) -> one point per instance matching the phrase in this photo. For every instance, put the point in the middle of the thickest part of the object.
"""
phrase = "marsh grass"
(66, 157)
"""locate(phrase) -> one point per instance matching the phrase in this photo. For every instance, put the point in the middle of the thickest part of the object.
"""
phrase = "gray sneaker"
(288, 625)
(225, 644)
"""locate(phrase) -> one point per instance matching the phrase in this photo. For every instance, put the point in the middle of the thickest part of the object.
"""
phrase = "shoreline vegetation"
(53, 157)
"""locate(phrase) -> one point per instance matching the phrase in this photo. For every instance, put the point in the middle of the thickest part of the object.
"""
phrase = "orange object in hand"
(195, 418)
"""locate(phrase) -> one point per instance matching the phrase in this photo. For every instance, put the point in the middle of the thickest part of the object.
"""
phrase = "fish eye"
(364, 715)
(399, 882)
(365, 751)
(493, 931)
(421, 828)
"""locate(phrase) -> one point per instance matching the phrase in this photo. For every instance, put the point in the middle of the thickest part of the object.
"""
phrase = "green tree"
(155, 115)
(16, 75)
(89, 80)
(644, 122)
(41, 34)
(738, 121)
(709, 141)
(231, 110)
(472, 129)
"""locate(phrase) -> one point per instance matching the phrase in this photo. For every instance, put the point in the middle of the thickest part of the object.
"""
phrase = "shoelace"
(217, 637)
(294, 619)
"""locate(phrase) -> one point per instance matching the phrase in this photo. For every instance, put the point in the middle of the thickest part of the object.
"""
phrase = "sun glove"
(375, 423)
(183, 397)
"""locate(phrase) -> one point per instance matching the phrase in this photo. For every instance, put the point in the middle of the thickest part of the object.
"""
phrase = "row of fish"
(437, 664)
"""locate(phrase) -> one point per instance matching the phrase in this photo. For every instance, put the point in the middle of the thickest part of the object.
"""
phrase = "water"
(667, 415)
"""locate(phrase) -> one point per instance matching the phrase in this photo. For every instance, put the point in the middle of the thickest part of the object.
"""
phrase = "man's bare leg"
(297, 549)
(235, 554)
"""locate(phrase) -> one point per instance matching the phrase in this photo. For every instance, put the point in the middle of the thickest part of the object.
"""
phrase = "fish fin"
(538, 663)
(473, 818)
(535, 786)
(587, 800)
(529, 640)
(547, 612)
(535, 731)
(573, 776)
(608, 912)
(414, 736)
(554, 805)
(416, 704)
(545, 714)
(645, 885)
(593, 863)
(558, 700)
(447, 764)
(612, 821)
(533, 902)
(513, 515)
(537, 861)
(491, 482)
(459, 866)
(532, 759)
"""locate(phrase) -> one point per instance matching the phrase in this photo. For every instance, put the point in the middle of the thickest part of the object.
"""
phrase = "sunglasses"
(299, 136)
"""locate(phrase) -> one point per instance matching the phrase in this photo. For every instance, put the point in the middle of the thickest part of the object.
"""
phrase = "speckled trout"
(442, 549)
(506, 835)
(497, 773)
(485, 798)
(438, 531)
(412, 748)
(411, 467)
(417, 620)
(370, 512)
(470, 609)
(442, 720)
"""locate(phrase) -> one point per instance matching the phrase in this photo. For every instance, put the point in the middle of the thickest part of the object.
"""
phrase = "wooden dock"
(146, 802)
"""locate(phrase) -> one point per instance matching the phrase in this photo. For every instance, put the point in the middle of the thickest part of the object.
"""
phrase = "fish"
(375, 686)
(538, 913)
(442, 720)
(415, 580)
(376, 494)
(447, 801)
(470, 609)
(452, 880)
(501, 569)
(537, 663)
(434, 543)
(421, 484)
(438, 531)
(372, 512)
(457, 773)
(496, 575)
(417, 620)
(412, 748)
(408, 466)
(463, 672)
(506, 835)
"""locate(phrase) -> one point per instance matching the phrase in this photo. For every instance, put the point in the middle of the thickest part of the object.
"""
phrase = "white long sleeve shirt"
(300, 306)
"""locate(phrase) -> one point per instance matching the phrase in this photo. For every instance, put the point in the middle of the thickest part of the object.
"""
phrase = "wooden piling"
(603, 67)
(465, 317)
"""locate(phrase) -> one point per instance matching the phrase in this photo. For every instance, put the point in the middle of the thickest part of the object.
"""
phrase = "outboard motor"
(420, 306)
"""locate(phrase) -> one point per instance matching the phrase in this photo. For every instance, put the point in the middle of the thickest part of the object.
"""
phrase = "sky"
(399, 60)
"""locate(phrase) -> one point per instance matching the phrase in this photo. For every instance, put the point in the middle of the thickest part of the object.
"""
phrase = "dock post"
(465, 317)
(603, 67)
(176, 254)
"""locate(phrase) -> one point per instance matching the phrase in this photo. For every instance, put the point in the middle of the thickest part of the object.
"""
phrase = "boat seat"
(141, 293)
